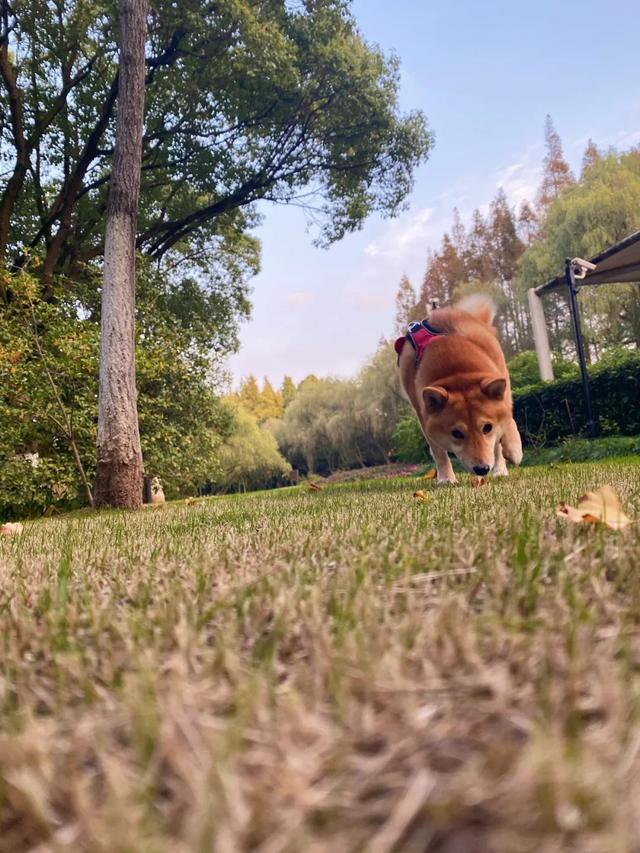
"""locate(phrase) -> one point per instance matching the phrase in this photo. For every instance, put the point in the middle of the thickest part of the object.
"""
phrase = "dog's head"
(468, 422)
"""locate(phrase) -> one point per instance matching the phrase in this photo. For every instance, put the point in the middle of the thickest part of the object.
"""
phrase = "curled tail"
(479, 305)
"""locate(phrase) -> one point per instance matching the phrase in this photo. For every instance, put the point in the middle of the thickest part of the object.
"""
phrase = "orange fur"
(461, 388)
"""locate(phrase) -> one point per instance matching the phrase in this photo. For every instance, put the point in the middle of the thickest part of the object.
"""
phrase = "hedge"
(551, 411)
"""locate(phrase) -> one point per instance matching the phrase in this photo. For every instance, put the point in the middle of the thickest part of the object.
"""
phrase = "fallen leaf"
(421, 496)
(599, 507)
(430, 475)
(11, 528)
(315, 487)
(476, 482)
(190, 501)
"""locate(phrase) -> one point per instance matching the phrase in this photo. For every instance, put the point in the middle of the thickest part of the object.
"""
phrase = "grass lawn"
(340, 670)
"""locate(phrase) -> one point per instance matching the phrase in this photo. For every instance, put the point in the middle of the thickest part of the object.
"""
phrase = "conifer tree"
(557, 175)
(406, 300)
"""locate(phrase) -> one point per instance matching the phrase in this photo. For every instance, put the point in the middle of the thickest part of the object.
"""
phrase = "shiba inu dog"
(454, 373)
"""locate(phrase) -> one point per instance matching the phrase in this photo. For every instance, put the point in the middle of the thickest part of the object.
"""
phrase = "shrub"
(548, 412)
(524, 371)
(249, 459)
(409, 443)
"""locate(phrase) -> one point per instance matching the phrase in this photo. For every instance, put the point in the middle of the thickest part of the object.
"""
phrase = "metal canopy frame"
(617, 264)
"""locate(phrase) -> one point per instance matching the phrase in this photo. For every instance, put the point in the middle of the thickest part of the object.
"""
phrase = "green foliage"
(249, 459)
(265, 404)
(307, 107)
(48, 394)
(523, 369)
(336, 423)
(549, 412)
(409, 443)
(601, 209)
(583, 450)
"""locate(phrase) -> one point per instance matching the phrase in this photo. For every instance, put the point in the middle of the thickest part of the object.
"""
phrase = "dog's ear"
(435, 398)
(493, 388)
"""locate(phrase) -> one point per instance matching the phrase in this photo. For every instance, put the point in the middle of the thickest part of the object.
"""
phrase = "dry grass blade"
(285, 671)
(408, 807)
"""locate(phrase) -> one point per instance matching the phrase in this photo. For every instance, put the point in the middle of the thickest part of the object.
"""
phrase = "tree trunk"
(119, 465)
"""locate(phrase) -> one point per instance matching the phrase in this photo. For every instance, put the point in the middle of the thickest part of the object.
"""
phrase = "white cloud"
(520, 180)
(402, 236)
(300, 298)
(627, 139)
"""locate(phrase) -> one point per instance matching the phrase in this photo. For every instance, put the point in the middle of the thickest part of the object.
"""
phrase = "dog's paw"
(500, 472)
(513, 455)
(446, 481)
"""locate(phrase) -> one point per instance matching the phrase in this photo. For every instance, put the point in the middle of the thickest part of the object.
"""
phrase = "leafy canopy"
(246, 100)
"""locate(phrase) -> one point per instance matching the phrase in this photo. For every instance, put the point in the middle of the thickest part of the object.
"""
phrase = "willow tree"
(119, 463)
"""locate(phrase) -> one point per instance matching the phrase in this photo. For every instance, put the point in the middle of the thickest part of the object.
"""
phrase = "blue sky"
(485, 74)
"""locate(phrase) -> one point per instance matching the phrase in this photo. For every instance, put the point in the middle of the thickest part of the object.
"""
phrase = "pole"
(575, 317)
(540, 336)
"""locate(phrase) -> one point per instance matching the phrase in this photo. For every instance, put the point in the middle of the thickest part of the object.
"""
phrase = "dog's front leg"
(443, 463)
(500, 466)
(512, 443)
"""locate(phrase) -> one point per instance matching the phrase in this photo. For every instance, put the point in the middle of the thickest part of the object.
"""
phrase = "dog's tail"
(479, 305)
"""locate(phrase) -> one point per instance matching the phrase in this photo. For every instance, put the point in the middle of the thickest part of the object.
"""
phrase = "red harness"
(419, 335)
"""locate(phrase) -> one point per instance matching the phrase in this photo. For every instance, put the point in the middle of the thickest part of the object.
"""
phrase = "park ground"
(341, 669)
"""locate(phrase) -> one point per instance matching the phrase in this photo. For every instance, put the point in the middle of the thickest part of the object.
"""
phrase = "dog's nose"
(481, 470)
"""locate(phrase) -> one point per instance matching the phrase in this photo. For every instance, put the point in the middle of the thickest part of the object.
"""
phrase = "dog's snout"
(481, 470)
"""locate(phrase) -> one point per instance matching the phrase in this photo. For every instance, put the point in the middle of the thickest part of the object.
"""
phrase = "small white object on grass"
(157, 495)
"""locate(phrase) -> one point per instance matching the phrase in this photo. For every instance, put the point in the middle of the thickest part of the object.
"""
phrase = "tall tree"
(601, 210)
(119, 457)
(309, 114)
(270, 402)
(590, 157)
(406, 300)
(476, 258)
(249, 396)
(287, 391)
(504, 248)
(445, 271)
(556, 174)
(527, 223)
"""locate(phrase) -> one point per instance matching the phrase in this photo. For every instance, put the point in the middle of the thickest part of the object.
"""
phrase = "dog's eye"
(487, 428)
(456, 433)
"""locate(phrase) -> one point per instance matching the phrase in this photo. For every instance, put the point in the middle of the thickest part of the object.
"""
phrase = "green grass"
(340, 670)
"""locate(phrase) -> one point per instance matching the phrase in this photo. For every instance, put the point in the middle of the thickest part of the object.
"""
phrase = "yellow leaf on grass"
(190, 501)
(476, 482)
(315, 487)
(599, 507)
(421, 496)
(430, 475)
(11, 528)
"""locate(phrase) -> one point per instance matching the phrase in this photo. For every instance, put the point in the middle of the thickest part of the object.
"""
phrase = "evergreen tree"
(406, 300)
(270, 403)
(557, 175)
(505, 247)
(249, 396)
(590, 158)
(287, 391)
(445, 271)
(476, 256)
(527, 223)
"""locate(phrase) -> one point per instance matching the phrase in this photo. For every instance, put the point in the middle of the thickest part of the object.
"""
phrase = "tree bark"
(119, 471)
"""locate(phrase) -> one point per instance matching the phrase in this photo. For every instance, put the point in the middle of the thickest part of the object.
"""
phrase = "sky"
(485, 75)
